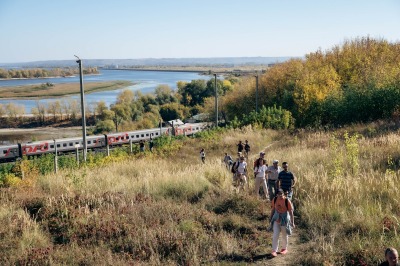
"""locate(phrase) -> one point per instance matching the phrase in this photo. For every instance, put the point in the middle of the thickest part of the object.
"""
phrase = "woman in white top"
(259, 172)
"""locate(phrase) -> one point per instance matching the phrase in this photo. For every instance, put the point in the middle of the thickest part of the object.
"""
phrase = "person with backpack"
(240, 169)
(282, 221)
(259, 172)
(286, 180)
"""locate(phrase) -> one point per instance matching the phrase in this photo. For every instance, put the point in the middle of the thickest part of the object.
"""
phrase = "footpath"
(295, 247)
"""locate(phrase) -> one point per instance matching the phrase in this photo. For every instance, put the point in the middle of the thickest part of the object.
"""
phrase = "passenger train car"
(13, 152)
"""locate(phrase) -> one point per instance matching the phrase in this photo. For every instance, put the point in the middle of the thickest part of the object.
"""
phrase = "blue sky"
(34, 30)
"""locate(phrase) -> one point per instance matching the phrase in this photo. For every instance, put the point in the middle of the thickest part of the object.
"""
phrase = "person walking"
(228, 161)
(246, 149)
(141, 146)
(392, 258)
(203, 155)
(259, 172)
(240, 146)
(273, 172)
(151, 144)
(282, 221)
(286, 180)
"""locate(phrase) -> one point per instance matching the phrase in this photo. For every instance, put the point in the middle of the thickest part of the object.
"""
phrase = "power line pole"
(216, 100)
(79, 61)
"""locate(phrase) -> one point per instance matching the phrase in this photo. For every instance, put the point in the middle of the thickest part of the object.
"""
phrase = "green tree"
(171, 111)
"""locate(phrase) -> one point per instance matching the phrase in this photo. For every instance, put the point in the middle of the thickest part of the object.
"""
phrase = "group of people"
(277, 185)
(142, 145)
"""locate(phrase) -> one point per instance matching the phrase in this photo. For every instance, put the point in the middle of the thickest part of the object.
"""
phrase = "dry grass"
(175, 210)
(58, 90)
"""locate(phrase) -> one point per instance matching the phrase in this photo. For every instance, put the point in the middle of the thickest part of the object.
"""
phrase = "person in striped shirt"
(286, 180)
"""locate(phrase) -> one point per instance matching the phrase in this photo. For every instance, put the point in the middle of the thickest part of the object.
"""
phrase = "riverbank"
(58, 90)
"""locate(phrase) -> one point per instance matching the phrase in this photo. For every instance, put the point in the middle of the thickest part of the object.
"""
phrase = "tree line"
(357, 81)
(43, 73)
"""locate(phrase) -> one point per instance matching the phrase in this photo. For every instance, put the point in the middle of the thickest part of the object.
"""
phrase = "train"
(10, 153)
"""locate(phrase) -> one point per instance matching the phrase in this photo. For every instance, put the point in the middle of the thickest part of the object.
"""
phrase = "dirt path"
(295, 247)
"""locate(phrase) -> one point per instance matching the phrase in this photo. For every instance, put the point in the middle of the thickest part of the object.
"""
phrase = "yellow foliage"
(11, 180)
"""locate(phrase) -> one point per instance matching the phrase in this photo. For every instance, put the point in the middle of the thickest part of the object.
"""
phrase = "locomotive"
(12, 152)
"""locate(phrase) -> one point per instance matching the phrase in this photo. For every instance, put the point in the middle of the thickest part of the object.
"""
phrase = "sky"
(37, 30)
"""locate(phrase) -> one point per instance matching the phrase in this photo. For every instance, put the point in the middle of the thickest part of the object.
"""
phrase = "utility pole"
(216, 100)
(256, 76)
(79, 61)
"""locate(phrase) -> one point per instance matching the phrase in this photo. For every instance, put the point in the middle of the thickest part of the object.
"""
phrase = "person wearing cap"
(392, 257)
(282, 221)
(273, 172)
(286, 180)
(259, 172)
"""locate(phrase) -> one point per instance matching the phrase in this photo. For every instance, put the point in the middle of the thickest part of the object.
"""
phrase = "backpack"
(234, 168)
(286, 202)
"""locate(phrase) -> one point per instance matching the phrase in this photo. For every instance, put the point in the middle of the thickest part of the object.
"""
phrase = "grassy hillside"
(167, 208)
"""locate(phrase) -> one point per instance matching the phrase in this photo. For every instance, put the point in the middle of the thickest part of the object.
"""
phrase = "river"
(144, 81)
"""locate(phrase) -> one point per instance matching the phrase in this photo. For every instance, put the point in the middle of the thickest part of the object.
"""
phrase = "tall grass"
(167, 208)
(347, 195)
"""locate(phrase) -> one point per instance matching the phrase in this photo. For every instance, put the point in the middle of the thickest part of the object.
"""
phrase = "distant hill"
(223, 61)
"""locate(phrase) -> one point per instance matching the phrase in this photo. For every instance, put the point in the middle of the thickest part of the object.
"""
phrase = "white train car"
(136, 136)
(12, 152)
(70, 144)
(9, 152)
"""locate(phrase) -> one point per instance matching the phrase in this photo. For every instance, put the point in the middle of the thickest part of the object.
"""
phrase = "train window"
(89, 142)
(157, 134)
(76, 142)
(51, 146)
(197, 128)
(71, 144)
(45, 147)
(117, 138)
(147, 134)
(64, 144)
(94, 141)
(137, 136)
(142, 135)
(58, 145)
(4, 151)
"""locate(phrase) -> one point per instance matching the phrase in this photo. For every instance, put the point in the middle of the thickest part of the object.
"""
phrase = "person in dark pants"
(286, 180)
(141, 146)
(240, 146)
(273, 173)
(203, 155)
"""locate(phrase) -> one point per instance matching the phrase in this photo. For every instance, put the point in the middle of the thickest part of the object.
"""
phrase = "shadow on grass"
(236, 258)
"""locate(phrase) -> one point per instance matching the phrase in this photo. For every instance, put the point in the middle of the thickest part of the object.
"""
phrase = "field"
(58, 90)
(167, 208)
